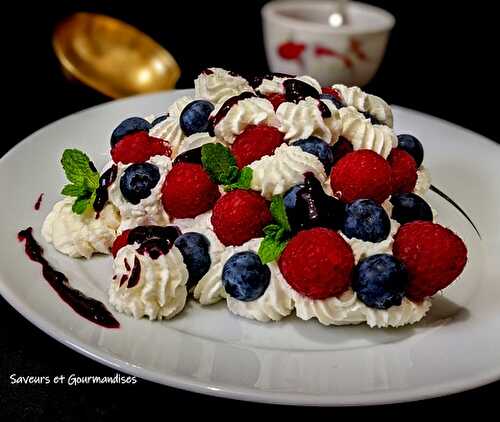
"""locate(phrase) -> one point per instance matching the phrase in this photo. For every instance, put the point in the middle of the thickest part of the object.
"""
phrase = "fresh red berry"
(291, 50)
(255, 142)
(361, 174)
(433, 255)
(120, 242)
(332, 91)
(317, 263)
(340, 148)
(276, 100)
(404, 171)
(240, 216)
(188, 191)
(139, 147)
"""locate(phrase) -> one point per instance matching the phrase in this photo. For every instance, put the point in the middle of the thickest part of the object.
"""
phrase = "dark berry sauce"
(255, 81)
(207, 71)
(105, 181)
(153, 241)
(324, 110)
(135, 275)
(229, 103)
(192, 156)
(312, 207)
(88, 308)
(297, 90)
(38, 202)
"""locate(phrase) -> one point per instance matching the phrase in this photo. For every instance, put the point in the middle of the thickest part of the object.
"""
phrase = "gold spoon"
(112, 56)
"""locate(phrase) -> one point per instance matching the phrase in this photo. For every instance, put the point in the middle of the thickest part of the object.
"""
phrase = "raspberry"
(404, 171)
(276, 100)
(188, 191)
(255, 142)
(317, 263)
(139, 147)
(331, 91)
(433, 255)
(120, 242)
(361, 174)
(240, 216)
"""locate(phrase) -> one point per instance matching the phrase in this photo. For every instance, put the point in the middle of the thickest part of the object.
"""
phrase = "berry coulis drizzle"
(105, 181)
(228, 104)
(88, 308)
(38, 202)
(191, 156)
(153, 240)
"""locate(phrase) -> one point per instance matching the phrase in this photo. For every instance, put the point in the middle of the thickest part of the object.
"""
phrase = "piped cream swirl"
(160, 292)
(246, 112)
(364, 135)
(275, 174)
(302, 120)
(362, 101)
(218, 85)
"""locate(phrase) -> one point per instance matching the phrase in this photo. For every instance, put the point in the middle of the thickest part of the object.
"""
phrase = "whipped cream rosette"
(370, 104)
(149, 275)
(217, 85)
(273, 84)
(305, 119)
(239, 112)
(141, 211)
(362, 134)
(81, 235)
(275, 174)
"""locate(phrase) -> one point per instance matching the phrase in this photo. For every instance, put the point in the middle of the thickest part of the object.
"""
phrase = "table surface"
(438, 63)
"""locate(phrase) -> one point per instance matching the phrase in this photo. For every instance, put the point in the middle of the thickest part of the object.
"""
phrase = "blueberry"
(128, 126)
(410, 207)
(380, 281)
(319, 148)
(307, 206)
(194, 248)
(338, 104)
(366, 220)
(194, 117)
(245, 277)
(159, 119)
(138, 180)
(412, 146)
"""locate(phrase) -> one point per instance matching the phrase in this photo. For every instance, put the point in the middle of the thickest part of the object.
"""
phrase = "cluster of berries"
(316, 261)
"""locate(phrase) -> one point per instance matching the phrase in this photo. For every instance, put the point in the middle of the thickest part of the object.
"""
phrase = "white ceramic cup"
(300, 41)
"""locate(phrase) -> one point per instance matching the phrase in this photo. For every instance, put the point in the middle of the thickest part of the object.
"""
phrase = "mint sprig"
(276, 235)
(83, 177)
(244, 180)
(221, 166)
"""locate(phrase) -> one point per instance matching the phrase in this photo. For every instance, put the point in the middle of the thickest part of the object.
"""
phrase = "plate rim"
(236, 392)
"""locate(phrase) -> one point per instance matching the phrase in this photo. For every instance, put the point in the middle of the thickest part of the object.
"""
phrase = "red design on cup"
(291, 50)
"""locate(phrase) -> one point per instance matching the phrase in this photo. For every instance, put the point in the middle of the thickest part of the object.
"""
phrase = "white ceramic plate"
(208, 350)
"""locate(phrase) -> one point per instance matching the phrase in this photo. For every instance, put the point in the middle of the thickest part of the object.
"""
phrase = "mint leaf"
(76, 165)
(272, 230)
(244, 180)
(278, 212)
(84, 177)
(219, 163)
(80, 205)
(270, 249)
(73, 190)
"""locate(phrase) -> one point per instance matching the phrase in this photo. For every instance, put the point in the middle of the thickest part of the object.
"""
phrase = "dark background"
(441, 59)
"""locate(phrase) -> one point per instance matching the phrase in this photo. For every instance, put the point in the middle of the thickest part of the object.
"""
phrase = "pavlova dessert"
(271, 193)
